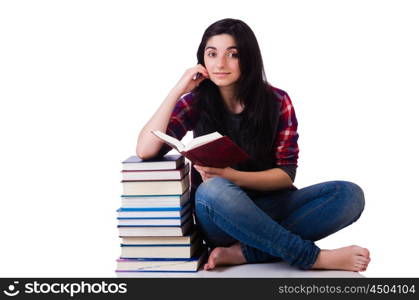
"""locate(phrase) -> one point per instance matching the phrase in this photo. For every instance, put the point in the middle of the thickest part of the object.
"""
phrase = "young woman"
(251, 212)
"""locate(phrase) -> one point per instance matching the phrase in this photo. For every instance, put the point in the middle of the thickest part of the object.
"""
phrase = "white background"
(79, 79)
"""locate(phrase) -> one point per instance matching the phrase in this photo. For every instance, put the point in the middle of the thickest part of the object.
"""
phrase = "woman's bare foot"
(351, 258)
(232, 255)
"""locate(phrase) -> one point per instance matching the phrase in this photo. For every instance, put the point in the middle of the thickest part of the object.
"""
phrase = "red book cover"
(218, 151)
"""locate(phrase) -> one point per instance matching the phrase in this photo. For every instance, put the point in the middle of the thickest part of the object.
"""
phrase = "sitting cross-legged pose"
(251, 212)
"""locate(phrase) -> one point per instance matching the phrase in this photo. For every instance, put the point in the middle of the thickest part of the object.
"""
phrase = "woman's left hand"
(208, 172)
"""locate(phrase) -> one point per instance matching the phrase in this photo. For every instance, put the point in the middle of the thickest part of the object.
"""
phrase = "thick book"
(153, 212)
(158, 187)
(155, 200)
(211, 150)
(162, 221)
(127, 230)
(167, 162)
(133, 265)
(160, 251)
(160, 240)
(132, 175)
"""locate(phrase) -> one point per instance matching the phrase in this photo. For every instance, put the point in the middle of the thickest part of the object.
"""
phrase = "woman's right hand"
(189, 81)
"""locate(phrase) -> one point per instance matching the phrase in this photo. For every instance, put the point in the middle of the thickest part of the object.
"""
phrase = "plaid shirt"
(184, 118)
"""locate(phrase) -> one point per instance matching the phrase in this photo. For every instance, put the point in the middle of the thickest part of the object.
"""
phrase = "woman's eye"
(231, 54)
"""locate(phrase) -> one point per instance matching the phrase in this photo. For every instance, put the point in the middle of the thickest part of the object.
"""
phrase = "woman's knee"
(211, 189)
(214, 193)
(352, 198)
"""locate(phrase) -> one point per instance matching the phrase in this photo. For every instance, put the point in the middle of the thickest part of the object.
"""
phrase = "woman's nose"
(221, 61)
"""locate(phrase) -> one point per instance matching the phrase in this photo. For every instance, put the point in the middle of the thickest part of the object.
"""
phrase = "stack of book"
(155, 220)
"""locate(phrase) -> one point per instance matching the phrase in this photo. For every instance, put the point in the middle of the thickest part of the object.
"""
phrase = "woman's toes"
(365, 252)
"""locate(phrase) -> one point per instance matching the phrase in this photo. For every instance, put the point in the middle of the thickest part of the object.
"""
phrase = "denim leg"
(312, 213)
(221, 203)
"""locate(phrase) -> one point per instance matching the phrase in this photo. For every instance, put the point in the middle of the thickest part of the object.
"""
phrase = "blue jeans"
(283, 224)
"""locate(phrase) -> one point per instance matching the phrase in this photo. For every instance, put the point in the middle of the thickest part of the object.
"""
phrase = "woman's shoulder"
(185, 102)
(188, 97)
(281, 95)
(185, 108)
(282, 98)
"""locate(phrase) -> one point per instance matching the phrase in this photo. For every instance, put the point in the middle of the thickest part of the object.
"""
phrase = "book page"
(169, 140)
(201, 140)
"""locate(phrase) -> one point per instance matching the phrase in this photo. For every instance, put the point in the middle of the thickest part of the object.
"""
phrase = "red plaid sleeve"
(286, 142)
(182, 119)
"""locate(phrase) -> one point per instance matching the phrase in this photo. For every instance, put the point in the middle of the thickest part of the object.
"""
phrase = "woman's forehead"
(221, 41)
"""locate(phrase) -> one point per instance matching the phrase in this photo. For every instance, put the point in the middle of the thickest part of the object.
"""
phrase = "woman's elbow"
(144, 154)
(148, 152)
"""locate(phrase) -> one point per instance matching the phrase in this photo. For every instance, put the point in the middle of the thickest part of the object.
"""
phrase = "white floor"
(265, 270)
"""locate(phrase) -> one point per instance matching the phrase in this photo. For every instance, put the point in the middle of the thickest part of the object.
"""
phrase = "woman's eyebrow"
(213, 48)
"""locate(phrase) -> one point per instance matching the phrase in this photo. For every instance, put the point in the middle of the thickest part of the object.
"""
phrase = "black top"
(233, 122)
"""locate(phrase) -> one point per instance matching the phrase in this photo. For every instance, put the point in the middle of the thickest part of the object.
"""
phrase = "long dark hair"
(260, 116)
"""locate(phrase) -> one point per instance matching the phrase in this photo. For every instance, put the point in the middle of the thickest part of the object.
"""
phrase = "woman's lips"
(221, 74)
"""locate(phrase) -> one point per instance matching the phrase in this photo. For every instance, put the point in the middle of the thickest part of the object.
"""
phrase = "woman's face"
(222, 60)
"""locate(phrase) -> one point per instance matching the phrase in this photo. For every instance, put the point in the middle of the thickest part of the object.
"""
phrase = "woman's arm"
(148, 146)
(268, 180)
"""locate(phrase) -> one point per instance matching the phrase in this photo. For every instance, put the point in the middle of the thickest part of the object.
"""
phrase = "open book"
(210, 150)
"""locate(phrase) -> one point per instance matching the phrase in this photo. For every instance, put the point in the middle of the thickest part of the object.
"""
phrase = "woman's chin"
(222, 83)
